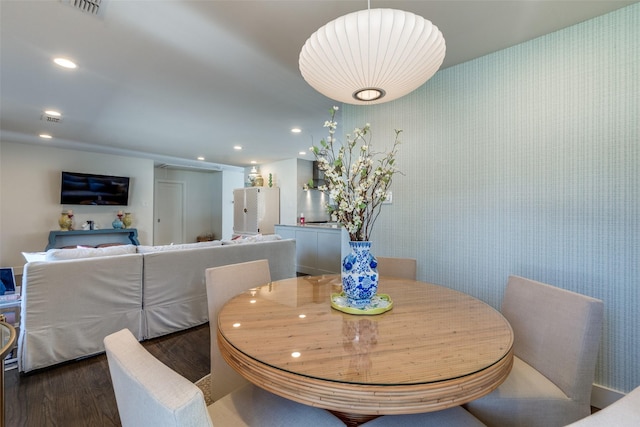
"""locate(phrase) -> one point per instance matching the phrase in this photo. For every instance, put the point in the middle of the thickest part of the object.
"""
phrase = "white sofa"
(174, 291)
(69, 305)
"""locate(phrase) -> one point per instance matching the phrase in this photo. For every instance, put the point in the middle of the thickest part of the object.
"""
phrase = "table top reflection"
(7, 338)
(436, 348)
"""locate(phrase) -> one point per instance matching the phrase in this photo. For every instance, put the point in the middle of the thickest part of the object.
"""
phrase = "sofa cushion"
(142, 249)
(252, 239)
(84, 252)
(34, 256)
(108, 245)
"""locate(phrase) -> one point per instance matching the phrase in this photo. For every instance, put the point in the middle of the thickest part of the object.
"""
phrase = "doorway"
(169, 210)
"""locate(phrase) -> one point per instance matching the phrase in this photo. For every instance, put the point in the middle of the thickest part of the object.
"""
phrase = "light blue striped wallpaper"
(527, 162)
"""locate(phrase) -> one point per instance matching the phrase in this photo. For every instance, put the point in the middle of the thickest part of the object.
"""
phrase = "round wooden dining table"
(435, 348)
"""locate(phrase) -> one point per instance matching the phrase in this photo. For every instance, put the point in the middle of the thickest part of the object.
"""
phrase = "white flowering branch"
(356, 181)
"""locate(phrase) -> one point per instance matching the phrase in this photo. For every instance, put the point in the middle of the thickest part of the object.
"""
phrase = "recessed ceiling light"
(66, 63)
(253, 162)
(53, 113)
(237, 147)
(45, 136)
(296, 130)
(200, 158)
(302, 153)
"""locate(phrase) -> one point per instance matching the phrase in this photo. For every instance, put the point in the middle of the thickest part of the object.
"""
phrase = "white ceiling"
(183, 79)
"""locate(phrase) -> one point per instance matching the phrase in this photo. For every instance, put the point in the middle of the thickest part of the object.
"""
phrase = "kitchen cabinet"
(256, 210)
(320, 248)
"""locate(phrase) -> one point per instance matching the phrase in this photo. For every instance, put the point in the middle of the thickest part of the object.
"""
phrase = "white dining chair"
(223, 283)
(149, 393)
(625, 412)
(556, 339)
(404, 268)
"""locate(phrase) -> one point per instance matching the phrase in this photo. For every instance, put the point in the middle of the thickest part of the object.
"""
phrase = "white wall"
(30, 195)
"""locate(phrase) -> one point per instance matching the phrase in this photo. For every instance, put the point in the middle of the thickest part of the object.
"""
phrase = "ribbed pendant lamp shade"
(372, 56)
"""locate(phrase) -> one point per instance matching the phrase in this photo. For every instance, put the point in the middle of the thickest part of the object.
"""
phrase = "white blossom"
(355, 179)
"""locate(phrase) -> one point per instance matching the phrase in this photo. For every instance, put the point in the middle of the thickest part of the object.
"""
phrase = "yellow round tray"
(381, 303)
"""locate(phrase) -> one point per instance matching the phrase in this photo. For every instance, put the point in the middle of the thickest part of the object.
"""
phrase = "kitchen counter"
(318, 224)
(320, 247)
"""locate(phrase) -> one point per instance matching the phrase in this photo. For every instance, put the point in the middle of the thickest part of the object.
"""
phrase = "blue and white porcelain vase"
(359, 275)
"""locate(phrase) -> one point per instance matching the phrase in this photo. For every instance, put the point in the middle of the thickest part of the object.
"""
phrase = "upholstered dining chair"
(625, 412)
(556, 339)
(223, 283)
(404, 268)
(452, 417)
(149, 393)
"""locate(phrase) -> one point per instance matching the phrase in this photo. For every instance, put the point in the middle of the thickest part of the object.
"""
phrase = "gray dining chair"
(556, 339)
(625, 412)
(404, 268)
(223, 283)
(452, 417)
(149, 393)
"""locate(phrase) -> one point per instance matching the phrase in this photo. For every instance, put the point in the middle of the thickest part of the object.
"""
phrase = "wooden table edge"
(367, 400)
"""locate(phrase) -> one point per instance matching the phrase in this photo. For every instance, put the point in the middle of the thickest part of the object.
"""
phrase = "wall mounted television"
(91, 189)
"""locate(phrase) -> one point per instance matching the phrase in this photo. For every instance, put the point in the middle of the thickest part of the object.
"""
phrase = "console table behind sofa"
(59, 239)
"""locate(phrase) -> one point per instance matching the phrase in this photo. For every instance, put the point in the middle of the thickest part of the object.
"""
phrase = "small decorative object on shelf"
(357, 184)
(64, 221)
(127, 220)
(89, 225)
(251, 179)
(117, 223)
(270, 180)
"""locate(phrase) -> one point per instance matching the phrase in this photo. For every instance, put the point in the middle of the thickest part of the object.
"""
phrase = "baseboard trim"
(602, 397)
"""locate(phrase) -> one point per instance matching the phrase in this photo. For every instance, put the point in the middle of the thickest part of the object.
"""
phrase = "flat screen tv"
(90, 189)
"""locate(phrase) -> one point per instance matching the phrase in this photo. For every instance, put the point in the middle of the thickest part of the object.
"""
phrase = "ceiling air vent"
(50, 118)
(93, 7)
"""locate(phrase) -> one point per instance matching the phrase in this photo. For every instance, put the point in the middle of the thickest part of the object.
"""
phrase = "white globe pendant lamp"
(372, 56)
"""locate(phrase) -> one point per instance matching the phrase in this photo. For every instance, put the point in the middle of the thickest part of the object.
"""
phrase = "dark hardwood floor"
(79, 393)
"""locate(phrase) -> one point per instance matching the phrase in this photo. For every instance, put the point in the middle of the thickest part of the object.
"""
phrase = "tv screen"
(89, 189)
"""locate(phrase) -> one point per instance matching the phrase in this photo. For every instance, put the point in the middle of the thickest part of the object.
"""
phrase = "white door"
(169, 212)
(239, 215)
(254, 209)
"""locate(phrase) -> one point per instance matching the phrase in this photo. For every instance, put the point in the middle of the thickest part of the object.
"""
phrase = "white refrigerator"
(256, 210)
